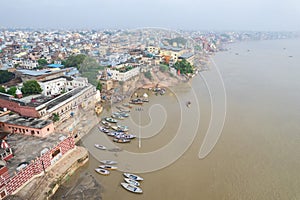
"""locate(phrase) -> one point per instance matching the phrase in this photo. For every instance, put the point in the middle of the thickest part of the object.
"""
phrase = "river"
(257, 154)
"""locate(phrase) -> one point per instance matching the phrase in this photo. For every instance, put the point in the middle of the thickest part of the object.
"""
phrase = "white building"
(123, 75)
(54, 86)
(59, 85)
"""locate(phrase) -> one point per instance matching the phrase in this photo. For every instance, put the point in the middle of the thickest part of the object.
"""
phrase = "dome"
(18, 92)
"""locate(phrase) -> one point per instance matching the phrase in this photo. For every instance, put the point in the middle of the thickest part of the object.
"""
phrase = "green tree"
(99, 86)
(163, 68)
(74, 60)
(2, 89)
(42, 62)
(184, 66)
(12, 91)
(31, 87)
(55, 117)
(6, 76)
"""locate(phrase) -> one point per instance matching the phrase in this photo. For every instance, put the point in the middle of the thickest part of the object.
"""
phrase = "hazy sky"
(182, 14)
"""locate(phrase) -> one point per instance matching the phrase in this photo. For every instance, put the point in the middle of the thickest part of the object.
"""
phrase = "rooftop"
(27, 148)
(25, 121)
(186, 55)
(34, 72)
(64, 97)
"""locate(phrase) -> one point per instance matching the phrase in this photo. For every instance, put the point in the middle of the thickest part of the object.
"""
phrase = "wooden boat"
(116, 116)
(105, 123)
(104, 130)
(115, 128)
(133, 176)
(102, 171)
(132, 182)
(109, 162)
(111, 120)
(112, 134)
(108, 167)
(122, 114)
(132, 188)
(123, 128)
(98, 146)
(136, 101)
(127, 105)
(125, 136)
(121, 140)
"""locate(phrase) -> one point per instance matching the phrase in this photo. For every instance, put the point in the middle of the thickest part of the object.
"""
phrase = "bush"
(148, 75)
(163, 68)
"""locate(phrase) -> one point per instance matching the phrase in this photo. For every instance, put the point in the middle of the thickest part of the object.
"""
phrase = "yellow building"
(172, 53)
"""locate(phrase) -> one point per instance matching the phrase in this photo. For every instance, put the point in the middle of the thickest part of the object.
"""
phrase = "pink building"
(27, 126)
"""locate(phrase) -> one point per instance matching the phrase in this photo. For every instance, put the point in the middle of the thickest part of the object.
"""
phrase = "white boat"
(108, 167)
(105, 123)
(99, 146)
(133, 176)
(121, 140)
(104, 130)
(132, 182)
(111, 120)
(115, 128)
(123, 128)
(132, 188)
(102, 171)
(111, 134)
(108, 162)
(125, 136)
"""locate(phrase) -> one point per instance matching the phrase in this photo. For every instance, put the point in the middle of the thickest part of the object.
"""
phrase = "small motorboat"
(132, 182)
(108, 162)
(108, 167)
(121, 140)
(101, 147)
(104, 130)
(132, 188)
(133, 176)
(111, 120)
(102, 171)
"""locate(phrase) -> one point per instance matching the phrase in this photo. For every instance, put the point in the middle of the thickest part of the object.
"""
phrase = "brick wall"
(36, 167)
(16, 107)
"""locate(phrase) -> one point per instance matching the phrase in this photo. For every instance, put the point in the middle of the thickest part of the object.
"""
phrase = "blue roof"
(55, 65)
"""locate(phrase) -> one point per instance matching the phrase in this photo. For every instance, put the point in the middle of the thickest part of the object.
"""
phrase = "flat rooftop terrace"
(25, 121)
(27, 148)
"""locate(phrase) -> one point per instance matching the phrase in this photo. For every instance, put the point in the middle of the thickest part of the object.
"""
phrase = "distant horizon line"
(137, 28)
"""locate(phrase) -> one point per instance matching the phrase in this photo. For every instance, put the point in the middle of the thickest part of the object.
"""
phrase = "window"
(32, 132)
(55, 153)
(38, 132)
(2, 194)
(48, 129)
